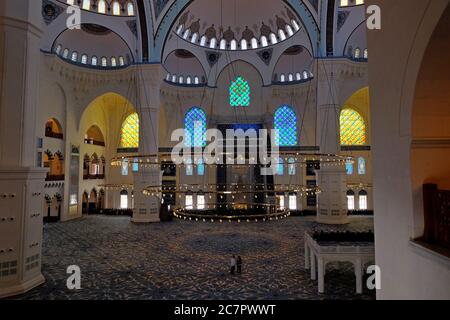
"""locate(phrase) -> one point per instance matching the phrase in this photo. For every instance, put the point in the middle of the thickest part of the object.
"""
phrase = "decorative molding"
(342, 18)
(424, 143)
(266, 55)
(50, 11)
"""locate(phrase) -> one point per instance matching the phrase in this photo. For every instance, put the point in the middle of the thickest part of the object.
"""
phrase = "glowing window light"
(285, 124)
(240, 93)
(195, 128)
(353, 128)
(129, 135)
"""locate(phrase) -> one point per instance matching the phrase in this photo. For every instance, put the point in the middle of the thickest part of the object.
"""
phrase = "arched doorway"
(85, 203)
(93, 200)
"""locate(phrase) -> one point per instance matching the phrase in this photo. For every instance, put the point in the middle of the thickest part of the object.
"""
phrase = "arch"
(352, 128)
(195, 127)
(285, 124)
(129, 133)
(53, 129)
(94, 136)
(240, 92)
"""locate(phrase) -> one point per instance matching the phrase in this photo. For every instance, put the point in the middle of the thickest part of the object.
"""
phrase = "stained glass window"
(280, 167)
(201, 168)
(292, 169)
(240, 93)
(129, 136)
(353, 128)
(136, 165)
(361, 166)
(285, 124)
(349, 167)
(195, 128)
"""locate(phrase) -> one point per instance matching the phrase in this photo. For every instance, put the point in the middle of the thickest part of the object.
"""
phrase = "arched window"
(289, 30)
(113, 62)
(240, 93)
(292, 169)
(357, 53)
(305, 75)
(65, 53)
(94, 61)
(285, 124)
(104, 62)
(203, 41)
(130, 9)
(189, 168)
(291, 77)
(366, 54)
(180, 29)
(129, 135)
(201, 168)
(223, 44)
(353, 128)
(121, 61)
(280, 167)
(75, 56)
(124, 199)
(361, 166)
(349, 167)
(298, 76)
(254, 43)
(273, 38)
(84, 59)
(362, 200)
(116, 8)
(195, 127)
(233, 44)
(213, 43)
(295, 24)
(86, 5)
(282, 35)
(264, 42)
(125, 168)
(283, 78)
(102, 6)
(194, 38)
(136, 165)
(189, 80)
(243, 44)
(58, 49)
(350, 200)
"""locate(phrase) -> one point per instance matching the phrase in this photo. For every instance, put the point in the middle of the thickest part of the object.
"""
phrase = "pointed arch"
(240, 93)
(129, 134)
(352, 128)
(195, 127)
(285, 124)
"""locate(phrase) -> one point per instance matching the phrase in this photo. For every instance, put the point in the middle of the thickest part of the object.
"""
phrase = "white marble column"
(332, 202)
(21, 183)
(149, 77)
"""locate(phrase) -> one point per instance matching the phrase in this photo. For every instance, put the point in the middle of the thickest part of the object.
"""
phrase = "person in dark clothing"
(239, 265)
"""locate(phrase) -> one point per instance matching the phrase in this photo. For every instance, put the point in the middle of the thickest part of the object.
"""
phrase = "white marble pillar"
(21, 183)
(332, 202)
(149, 77)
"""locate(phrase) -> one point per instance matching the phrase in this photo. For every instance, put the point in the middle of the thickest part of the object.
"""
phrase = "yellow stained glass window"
(353, 128)
(129, 135)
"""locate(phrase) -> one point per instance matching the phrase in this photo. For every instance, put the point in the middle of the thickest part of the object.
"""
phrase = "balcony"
(51, 134)
(53, 178)
(94, 142)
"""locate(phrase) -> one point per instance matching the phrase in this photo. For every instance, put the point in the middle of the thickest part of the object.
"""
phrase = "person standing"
(239, 265)
(233, 264)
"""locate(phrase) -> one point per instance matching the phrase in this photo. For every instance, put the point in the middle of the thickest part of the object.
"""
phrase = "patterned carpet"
(187, 260)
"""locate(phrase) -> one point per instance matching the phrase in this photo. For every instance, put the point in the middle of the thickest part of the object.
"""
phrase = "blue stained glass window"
(361, 166)
(280, 167)
(136, 165)
(125, 167)
(349, 167)
(195, 128)
(201, 168)
(285, 124)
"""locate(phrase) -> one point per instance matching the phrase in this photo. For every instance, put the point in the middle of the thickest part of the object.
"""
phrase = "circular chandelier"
(233, 212)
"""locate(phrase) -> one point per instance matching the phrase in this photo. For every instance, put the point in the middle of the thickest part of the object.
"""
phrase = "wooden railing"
(51, 134)
(437, 216)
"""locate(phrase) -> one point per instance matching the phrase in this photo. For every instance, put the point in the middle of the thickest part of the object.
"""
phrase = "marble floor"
(187, 260)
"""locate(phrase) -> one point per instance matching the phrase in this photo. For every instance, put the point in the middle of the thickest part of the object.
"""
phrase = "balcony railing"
(94, 142)
(51, 134)
(93, 177)
(55, 178)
